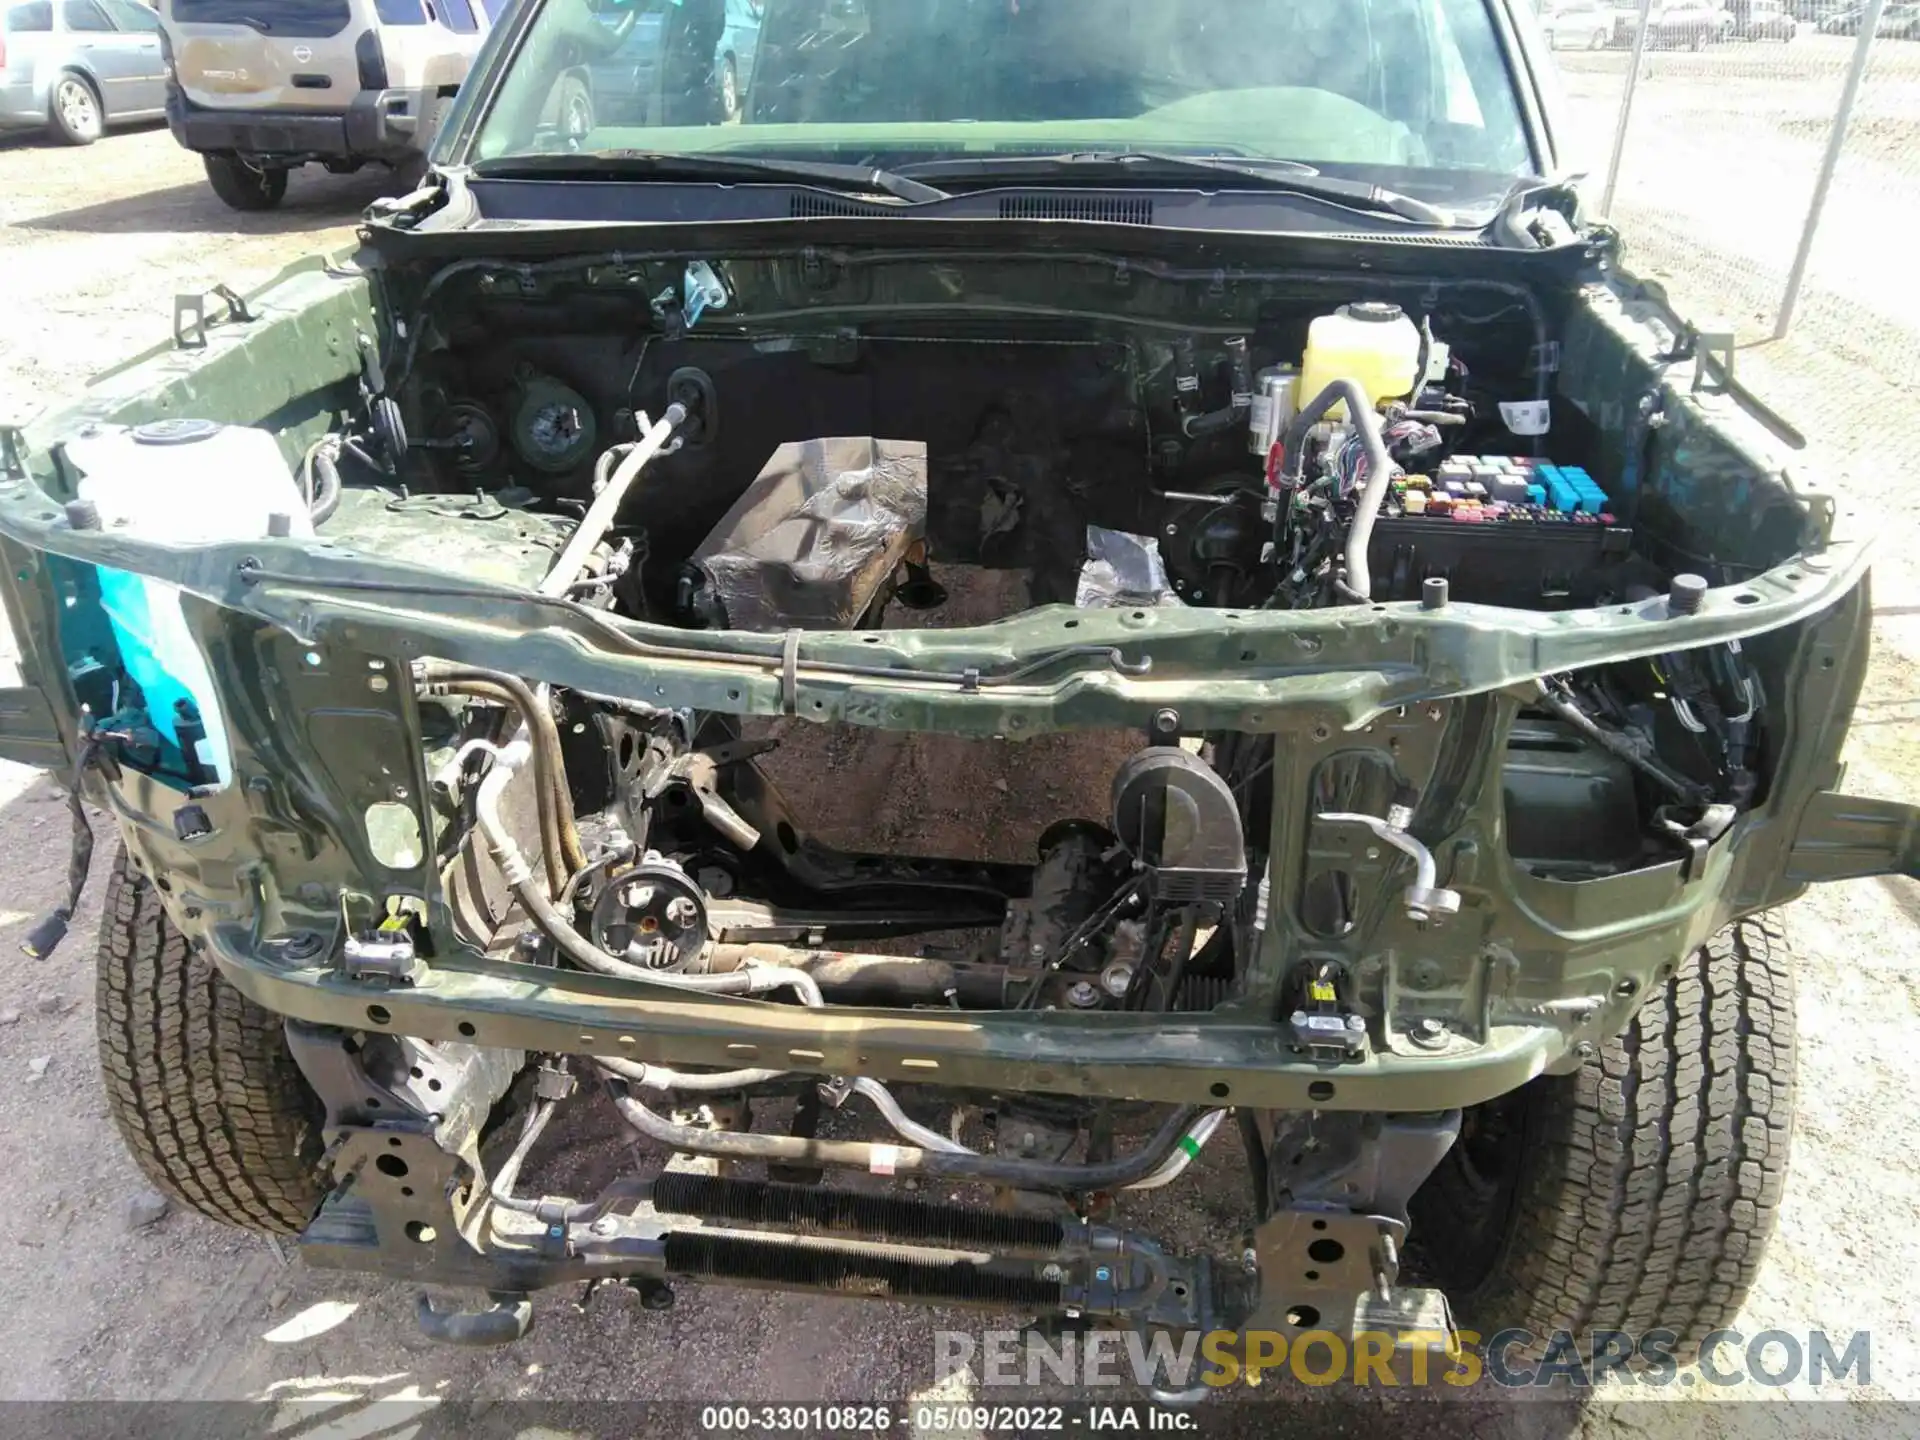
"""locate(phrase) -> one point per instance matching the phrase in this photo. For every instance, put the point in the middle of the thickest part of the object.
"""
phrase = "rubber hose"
(1359, 579)
(326, 488)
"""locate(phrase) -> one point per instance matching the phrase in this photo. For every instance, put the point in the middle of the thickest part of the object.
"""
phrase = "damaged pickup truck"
(1222, 399)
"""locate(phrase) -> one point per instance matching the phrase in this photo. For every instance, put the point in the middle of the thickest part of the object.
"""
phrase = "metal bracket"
(190, 316)
(237, 311)
(1713, 352)
(190, 322)
(1846, 837)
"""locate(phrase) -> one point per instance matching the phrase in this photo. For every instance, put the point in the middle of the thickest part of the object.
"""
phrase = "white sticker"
(885, 1158)
(1527, 417)
(1261, 415)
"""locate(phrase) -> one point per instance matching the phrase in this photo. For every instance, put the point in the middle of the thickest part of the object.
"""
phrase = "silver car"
(77, 66)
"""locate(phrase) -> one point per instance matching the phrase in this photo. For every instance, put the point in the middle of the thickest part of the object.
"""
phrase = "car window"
(83, 15)
(279, 18)
(457, 16)
(400, 12)
(1405, 91)
(129, 16)
(495, 9)
(30, 19)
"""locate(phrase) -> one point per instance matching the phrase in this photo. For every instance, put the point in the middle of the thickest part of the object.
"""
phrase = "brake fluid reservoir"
(180, 482)
(1371, 343)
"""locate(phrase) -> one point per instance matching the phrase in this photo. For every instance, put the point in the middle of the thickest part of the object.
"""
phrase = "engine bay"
(919, 474)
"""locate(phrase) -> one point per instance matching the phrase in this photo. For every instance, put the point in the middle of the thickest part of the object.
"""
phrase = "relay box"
(1501, 530)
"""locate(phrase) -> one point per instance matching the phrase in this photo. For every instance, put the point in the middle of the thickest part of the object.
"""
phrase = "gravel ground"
(96, 1304)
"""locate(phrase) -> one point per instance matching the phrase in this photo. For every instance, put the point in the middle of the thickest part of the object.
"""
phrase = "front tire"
(729, 93)
(1638, 1193)
(74, 113)
(199, 1079)
(241, 186)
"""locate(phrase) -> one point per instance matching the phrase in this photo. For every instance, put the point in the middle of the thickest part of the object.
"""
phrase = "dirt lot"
(93, 1305)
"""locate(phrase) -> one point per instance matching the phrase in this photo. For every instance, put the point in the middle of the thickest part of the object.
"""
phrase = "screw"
(1427, 1033)
(605, 1225)
(1166, 722)
(1584, 1050)
(400, 792)
(1037, 950)
(1083, 995)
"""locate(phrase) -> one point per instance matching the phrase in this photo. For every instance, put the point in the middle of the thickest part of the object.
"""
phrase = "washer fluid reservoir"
(179, 482)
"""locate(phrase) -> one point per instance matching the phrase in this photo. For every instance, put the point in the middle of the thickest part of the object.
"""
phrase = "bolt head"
(605, 1225)
(1083, 994)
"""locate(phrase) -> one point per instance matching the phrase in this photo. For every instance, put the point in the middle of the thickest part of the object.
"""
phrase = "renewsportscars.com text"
(1512, 1359)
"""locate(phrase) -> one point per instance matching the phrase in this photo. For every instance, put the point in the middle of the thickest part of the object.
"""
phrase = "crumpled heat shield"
(814, 539)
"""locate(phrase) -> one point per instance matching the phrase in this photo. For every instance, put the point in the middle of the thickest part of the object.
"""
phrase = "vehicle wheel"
(729, 93)
(1639, 1192)
(242, 186)
(73, 110)
(576, 113)
(198, 1078)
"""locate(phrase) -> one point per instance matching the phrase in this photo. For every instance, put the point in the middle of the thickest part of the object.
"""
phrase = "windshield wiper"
(626, 164)
(1289, 176)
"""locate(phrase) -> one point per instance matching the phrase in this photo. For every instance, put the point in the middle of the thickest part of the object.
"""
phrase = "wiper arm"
(623, 164)
(1288, 176)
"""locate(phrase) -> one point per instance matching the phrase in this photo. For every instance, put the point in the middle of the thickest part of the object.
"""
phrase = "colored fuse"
(1415, 502)
(1536, 495)
(1476, 489)
(1419, 482)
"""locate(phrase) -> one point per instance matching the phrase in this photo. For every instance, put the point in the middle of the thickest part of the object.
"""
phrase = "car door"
(104, 52)
(138, 29)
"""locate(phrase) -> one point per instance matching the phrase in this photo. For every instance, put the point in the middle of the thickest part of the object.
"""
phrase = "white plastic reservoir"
(180, 482)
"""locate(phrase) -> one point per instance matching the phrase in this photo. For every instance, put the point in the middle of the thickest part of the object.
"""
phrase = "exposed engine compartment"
(923, 474)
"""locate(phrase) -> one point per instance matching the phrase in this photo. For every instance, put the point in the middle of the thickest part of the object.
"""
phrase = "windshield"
(1412, 93)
